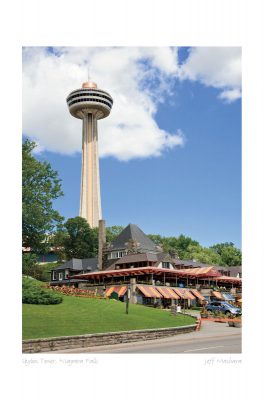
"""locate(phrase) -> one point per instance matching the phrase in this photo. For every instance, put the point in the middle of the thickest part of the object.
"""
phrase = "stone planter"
(230, 323)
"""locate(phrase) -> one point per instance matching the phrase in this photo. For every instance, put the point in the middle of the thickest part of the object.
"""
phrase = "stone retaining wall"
(100, 339)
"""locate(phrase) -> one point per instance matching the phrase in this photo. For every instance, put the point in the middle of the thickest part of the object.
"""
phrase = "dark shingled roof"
(76, 264)
(190, 263)
(133, 232)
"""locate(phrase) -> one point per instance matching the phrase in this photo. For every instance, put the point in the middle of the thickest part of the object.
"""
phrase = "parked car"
(223, 307)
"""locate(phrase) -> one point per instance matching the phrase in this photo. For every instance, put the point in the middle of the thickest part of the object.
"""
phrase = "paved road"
(177, 345)
(216, 338)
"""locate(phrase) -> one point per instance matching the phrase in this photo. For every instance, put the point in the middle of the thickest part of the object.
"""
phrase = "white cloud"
(219, 67)
(137, 88)
(230, 95)
(138, 79)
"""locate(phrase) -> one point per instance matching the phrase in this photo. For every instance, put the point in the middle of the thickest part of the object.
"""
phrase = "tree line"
(43, 226)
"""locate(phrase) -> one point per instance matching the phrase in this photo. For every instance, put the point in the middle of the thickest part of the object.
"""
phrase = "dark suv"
(223, 307)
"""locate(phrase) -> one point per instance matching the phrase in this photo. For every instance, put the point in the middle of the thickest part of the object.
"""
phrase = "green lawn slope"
(77, 316)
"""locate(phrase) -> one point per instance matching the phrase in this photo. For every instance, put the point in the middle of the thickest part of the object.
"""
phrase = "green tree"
(112, 232)
(203, 255)
(230, 255)
(157, 239)
(179, 245)
(29, 264)
(219, 246)
(58, 243)
(40, 186)
(80, 240)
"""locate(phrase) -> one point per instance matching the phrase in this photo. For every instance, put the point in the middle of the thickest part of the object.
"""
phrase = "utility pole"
(127, 299)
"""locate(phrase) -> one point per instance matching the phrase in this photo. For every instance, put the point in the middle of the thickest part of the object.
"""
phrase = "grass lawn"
(77, 316)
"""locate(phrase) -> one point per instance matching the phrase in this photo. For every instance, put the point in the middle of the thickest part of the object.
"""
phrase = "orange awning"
(180, 293)
(167, 292)
(109, 291)
(149, 291)
(184, 293)
(189, 295)
(155, 292)
(217, 295)
(197, 294)
(201, 272)
(230, 279)
(170, 290)
(121, 290)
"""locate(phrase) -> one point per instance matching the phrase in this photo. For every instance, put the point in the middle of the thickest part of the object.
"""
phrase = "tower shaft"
(89, 103)
(90, 202)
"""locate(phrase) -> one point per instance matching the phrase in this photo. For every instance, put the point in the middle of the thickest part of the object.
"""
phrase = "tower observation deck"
(90, 104)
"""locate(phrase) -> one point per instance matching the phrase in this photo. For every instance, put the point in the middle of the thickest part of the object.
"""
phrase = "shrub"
(34, 293)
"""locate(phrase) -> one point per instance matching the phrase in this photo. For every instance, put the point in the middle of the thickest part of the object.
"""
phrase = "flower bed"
(73, 291)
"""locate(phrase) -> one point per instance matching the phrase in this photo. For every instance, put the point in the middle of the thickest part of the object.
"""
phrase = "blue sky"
(186, 179)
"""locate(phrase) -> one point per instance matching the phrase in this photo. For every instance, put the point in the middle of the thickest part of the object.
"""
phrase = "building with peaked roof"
(130, 241)
(62, 274)
(133, 260)
(132, 233)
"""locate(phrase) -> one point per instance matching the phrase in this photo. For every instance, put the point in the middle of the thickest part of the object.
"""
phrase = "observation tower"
(90, 104)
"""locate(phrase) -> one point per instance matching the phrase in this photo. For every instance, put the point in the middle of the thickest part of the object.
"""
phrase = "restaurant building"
(134, 266)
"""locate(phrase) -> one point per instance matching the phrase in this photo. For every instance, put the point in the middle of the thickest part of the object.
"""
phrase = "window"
(60, 276)
(93, 94)
(165, 264)
(90, 100)
(54, 276)
(117, 254)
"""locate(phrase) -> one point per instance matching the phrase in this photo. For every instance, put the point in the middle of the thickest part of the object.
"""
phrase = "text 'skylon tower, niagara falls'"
(90, 104)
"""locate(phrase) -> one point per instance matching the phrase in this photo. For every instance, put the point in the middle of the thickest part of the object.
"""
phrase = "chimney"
(101, 242)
